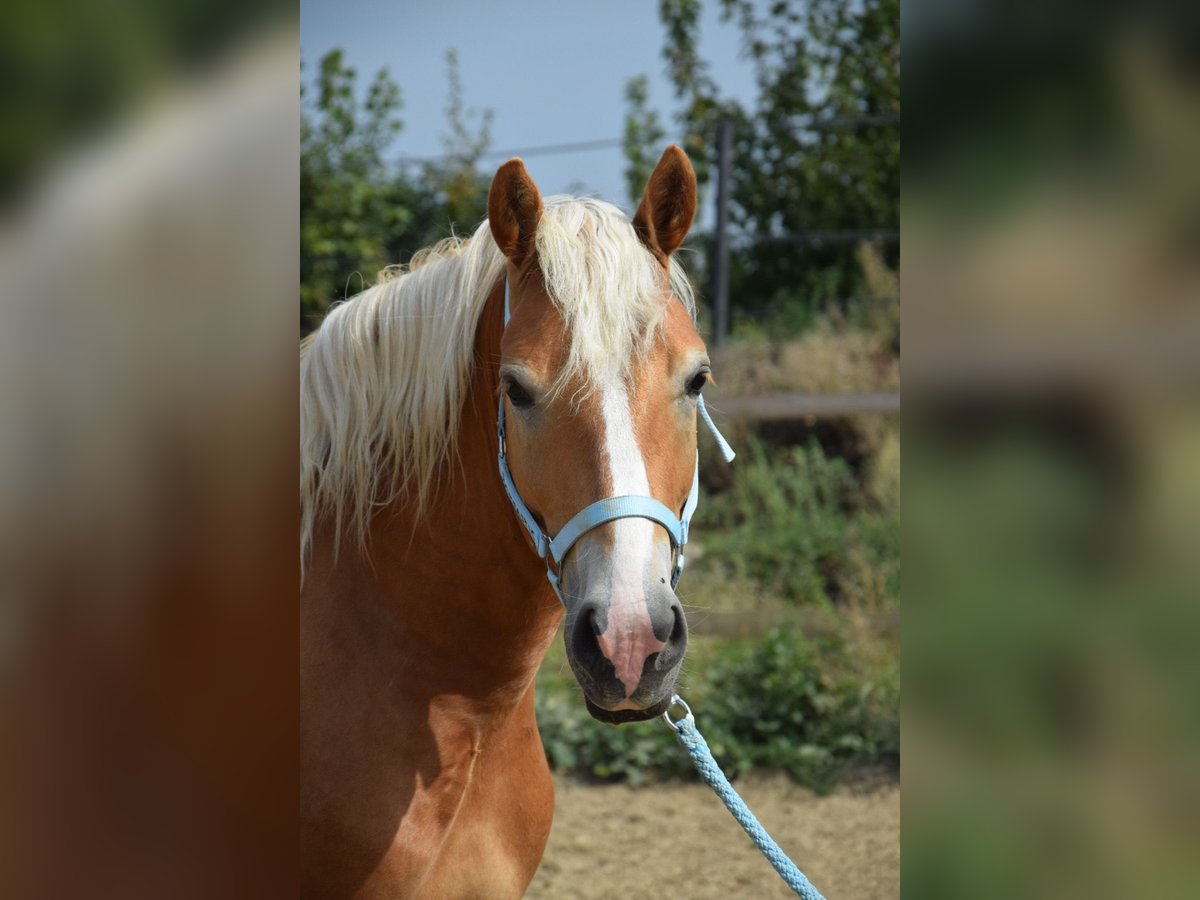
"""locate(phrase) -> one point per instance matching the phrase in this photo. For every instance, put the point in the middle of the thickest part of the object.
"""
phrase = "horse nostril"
(679, 628)
(585, 633)
(676, 643)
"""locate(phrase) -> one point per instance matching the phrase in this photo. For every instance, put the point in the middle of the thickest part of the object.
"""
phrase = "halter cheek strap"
(603, 511)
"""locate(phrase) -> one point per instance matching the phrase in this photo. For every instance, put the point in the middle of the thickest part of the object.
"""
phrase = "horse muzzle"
(626, 653)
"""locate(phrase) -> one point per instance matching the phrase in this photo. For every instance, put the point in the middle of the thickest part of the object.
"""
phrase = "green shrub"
(783, 703)
(777, 703)
(783, 521)
(799, 525)
(870, 579)
(577, 743)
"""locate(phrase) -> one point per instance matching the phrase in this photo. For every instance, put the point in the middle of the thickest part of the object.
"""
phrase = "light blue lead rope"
(702, 758)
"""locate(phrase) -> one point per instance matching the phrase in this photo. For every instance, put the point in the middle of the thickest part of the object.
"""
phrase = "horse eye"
(696, 385)
(517, 395)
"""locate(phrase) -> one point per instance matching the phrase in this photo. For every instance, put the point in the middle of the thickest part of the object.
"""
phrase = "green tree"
(360, 208)
(350, 199)
(818, 150)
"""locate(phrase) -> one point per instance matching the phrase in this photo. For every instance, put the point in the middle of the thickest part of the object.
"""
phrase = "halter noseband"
(607, 510)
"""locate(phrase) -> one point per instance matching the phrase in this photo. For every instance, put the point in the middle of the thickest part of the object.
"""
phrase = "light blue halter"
(607, 510)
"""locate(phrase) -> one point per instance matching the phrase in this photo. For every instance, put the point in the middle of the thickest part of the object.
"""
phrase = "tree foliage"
(361, 209)
(818, 150)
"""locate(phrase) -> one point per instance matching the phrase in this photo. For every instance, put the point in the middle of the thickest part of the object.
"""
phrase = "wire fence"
(801, 123)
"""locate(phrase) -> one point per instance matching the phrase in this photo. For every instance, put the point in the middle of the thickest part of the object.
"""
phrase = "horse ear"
(668, 204)
(514, 209)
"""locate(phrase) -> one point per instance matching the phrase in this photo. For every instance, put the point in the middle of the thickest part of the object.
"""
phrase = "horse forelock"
(383, 380)
(608, 287)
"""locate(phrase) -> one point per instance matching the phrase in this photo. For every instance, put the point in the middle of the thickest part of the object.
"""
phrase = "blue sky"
(553, 72)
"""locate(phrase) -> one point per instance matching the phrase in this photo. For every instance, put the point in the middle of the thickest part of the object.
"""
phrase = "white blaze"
(628, 637)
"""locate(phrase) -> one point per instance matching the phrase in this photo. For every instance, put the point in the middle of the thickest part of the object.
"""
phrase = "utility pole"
(720, 265)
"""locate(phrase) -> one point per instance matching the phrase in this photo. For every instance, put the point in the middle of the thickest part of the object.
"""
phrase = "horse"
(453, 416)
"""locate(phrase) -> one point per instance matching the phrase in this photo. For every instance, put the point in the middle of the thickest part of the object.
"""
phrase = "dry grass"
(832, 358)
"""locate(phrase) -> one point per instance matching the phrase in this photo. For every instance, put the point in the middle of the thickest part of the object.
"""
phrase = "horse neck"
(470, 583)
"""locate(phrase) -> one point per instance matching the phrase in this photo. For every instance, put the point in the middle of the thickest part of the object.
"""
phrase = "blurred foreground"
(1052, 481)
(148, 394)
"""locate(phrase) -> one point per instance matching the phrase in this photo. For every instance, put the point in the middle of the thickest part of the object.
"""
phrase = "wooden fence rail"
(789, 407)
(754, 623)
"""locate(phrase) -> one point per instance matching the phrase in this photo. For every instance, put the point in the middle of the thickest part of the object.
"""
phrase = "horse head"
(600, 374)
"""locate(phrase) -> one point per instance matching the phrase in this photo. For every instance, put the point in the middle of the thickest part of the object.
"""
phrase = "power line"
(831, 124)
(539, 150)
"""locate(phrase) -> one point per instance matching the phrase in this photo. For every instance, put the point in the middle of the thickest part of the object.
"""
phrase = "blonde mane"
(382, 381)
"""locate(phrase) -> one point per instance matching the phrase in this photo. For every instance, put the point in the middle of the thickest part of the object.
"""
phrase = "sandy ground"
(679, 841)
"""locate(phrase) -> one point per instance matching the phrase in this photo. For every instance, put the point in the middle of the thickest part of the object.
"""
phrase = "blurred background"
(790, 113)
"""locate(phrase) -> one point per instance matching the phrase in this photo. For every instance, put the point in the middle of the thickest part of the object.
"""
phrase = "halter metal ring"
(687, 717)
